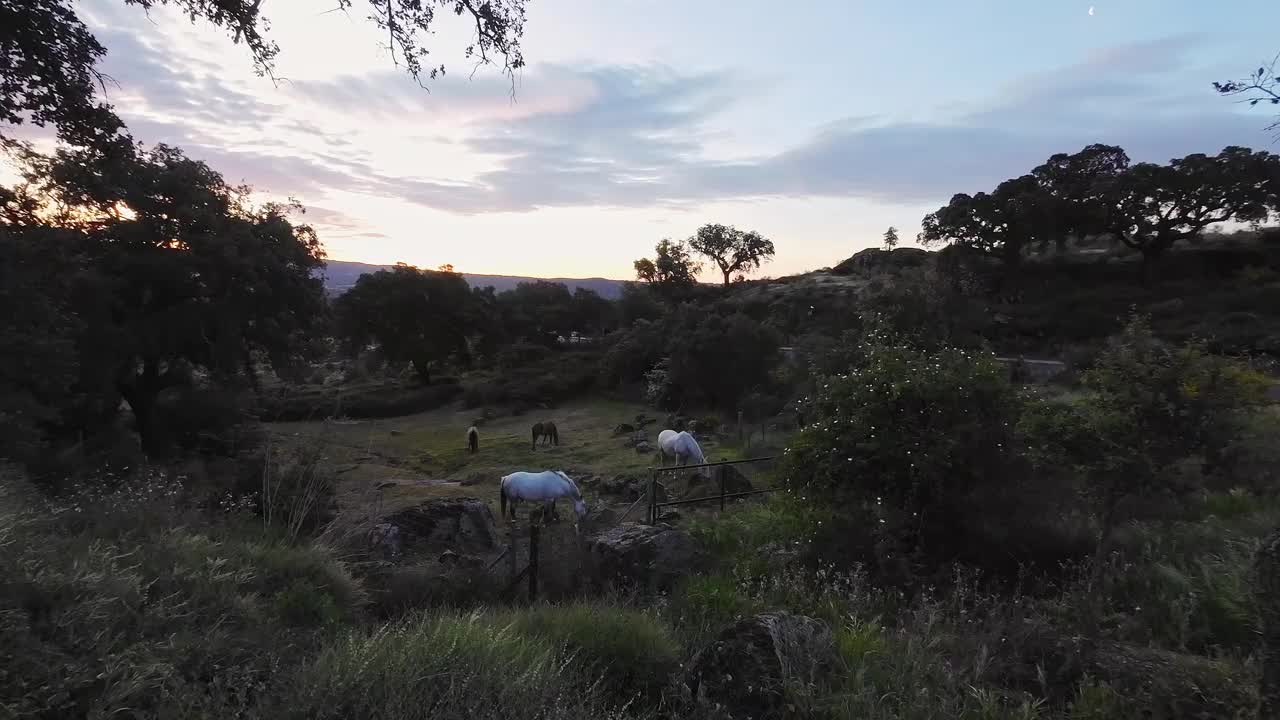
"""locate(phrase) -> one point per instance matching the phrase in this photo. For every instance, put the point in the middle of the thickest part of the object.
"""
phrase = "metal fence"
(654, 506)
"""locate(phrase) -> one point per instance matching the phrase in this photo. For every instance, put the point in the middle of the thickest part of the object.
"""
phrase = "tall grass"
(633, 652)
(297, 487)
(451, 665)
(114, 608)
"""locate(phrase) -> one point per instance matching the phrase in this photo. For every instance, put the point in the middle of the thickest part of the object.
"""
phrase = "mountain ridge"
(341, 275)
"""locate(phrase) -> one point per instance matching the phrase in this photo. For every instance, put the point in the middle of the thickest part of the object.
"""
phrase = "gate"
(722, 496)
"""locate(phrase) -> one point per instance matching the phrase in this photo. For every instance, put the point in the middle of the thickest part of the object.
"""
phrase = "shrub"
(907, 435)
(631, 651)
(362, 401)
(209, 420)
(718, 359)
(522, 354)
(443, 666)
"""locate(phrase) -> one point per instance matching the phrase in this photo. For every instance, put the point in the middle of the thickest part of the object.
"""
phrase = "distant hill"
(340, 276)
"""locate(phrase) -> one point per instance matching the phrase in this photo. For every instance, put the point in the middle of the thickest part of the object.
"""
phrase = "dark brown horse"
(547, 431)
(473, 439)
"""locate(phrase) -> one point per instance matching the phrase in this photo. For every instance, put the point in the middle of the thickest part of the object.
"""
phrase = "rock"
(385, 537)
(670, 517)
(615, 485)
(653, 557)
(747, 670)
(624, 429)
(599, 519)
(734, 481)
(451, 558)
(643, 447)
(463, 525)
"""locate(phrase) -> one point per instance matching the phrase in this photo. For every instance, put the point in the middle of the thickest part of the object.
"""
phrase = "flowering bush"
(906, 434)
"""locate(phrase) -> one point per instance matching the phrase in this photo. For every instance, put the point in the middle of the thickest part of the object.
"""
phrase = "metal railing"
(722, 496)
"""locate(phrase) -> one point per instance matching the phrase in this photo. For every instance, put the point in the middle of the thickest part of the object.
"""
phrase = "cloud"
(637, 136)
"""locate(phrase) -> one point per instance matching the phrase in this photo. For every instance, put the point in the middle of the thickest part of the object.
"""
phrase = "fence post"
(653, 495)
(721, 474)
(514, 551)
(533, 561)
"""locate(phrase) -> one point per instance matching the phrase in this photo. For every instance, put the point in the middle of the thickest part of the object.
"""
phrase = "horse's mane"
(693, 445)
(576, 492)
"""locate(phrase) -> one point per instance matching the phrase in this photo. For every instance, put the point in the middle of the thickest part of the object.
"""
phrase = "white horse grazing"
(682, 447)
(546, 487)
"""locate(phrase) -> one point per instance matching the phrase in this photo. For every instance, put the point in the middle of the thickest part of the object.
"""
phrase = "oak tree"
(413, 315)
(731, 249)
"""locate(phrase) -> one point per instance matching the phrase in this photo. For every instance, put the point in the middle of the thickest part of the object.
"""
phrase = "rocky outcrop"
(650, 557)
(753, 667)
(465, 526)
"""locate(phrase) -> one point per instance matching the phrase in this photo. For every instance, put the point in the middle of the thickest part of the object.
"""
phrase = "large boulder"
(651, 557)
(755, 665)
(463, 525)
(734, 482)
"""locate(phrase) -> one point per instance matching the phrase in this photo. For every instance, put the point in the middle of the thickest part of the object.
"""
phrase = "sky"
(818, 124)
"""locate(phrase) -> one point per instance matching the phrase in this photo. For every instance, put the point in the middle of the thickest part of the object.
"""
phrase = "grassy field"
(405, 460)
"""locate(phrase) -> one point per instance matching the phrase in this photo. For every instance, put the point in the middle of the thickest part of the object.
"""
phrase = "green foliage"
(1154, 206)
(1151, 405)
(416, 316)
(719, 359)
(173, 270)
(731, 249)
(443, 666)
(907, 433)
(633, 652)
(364, 400)
(111, 607)
(559, 377)
(671, 272)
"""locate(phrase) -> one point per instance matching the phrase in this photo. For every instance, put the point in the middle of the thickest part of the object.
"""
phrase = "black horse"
(547, 431)
(473, 439)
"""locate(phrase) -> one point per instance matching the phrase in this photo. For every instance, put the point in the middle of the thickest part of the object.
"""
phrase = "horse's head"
(580, 508)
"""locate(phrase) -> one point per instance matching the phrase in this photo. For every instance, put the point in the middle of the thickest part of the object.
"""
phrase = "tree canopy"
(891, 238)
(1155, 206)
(417, 316)
(168, 268)
(1147, 207)
(731, 249)
(672, 268)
